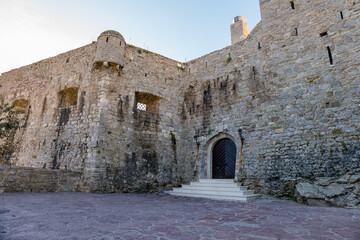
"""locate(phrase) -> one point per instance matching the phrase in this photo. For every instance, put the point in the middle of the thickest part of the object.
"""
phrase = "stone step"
(217, 197)
(204, 180)
(218, 185)
(220, 189)
(215, 192)
(214, 188)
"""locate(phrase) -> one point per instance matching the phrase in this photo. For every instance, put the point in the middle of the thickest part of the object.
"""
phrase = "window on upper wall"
(323, 34)
(147, 102)
(330, 56)
(68, 97)
(20, 105)
(295, 32)
(141, 106)
(292, 4)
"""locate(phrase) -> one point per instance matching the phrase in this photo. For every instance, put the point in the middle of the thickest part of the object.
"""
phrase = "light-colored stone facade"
(292, 86)
(239, 30)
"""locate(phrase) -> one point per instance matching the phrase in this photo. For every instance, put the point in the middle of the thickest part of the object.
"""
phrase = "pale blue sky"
(32, 30)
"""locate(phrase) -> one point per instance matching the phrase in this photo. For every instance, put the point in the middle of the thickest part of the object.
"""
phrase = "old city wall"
(83, 117)
(139, 148)
(298, 109)
(299, 112)
(58, 113)
(61, 114)
(25, 179)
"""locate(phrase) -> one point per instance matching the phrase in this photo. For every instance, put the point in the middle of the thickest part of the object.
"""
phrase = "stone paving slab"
(37, 216)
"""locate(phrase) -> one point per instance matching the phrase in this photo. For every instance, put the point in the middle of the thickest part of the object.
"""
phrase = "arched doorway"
(224, 159)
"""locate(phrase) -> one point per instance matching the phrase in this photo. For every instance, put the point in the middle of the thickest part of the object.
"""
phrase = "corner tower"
(110, 49)
(239, 29)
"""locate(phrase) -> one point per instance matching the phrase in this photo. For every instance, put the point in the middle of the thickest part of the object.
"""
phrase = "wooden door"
(224, 159)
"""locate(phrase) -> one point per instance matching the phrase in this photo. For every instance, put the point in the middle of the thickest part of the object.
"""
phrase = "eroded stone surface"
(342, 191)
(40, 216)
(292, 87)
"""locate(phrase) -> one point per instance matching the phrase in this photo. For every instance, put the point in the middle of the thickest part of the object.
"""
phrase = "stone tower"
(239, 30)
(110, 49)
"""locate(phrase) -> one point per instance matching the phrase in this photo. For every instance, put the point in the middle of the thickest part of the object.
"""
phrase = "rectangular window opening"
(141, 106)
(147, 102)
(292, 5)
(323, 34)
(341, 15)
(294, 32)
(259, 45)
(330, 56)
(68, 97)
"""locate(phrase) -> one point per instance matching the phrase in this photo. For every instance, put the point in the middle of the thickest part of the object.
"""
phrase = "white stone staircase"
(219, 189)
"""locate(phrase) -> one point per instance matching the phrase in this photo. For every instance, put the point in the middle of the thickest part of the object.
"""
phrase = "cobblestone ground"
(36, 216)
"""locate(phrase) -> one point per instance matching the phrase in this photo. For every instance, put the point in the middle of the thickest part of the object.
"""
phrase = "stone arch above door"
(210, 144)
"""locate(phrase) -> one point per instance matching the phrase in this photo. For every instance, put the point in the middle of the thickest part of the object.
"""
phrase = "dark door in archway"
(224, 159)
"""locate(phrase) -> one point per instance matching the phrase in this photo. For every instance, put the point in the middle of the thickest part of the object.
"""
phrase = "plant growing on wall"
(9, 124)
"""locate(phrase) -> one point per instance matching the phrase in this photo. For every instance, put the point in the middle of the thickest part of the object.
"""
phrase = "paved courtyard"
(37, 216)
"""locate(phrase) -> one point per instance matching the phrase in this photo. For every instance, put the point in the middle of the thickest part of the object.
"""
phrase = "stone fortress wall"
(299, 112)
(292, 86)
(81, 116)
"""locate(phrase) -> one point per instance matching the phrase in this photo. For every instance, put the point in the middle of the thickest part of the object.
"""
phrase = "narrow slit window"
(292, 5)
(259, 45)
(341, 15)
(206, 64)
(330, 56)
(296, 32)
(120, 43)
(323, 34)
(107, 39)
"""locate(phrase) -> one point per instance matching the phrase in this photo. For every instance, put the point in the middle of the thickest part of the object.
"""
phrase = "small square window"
(141, 106)
(323, 34)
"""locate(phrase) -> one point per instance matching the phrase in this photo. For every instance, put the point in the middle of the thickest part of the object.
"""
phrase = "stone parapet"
(26, 179)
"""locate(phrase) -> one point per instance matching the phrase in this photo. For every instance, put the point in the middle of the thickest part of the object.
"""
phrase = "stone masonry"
(125, 118)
